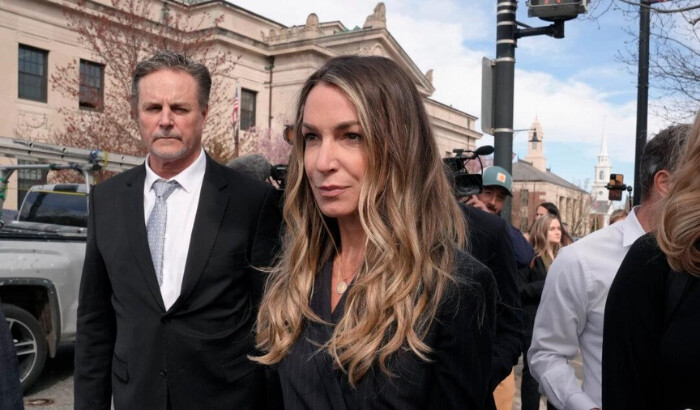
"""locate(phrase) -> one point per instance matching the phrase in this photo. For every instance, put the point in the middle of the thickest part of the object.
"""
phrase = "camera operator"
(258, 167)
(486, 237)
(497, 185)
(505, 257)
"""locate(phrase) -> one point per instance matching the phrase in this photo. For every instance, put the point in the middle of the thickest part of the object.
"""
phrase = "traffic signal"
(553, 10)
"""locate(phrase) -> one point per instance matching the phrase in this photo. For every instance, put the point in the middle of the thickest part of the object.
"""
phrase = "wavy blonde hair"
(538, 235)
(679, 229)
(407, 211)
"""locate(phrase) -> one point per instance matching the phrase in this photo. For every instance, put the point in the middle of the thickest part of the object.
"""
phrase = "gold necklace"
(342, 285)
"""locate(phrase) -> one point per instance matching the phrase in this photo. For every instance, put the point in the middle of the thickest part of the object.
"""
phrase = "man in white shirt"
(570, 314)
(170, 289)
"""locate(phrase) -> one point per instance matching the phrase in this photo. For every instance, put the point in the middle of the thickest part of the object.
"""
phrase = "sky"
(574, 86)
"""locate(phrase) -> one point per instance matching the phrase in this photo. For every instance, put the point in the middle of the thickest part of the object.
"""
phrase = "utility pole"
(642, 96)
(504, 78)
(507, 34)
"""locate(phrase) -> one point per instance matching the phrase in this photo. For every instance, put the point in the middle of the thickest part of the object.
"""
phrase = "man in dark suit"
(169, 288)
(489, 244)
(498, 184)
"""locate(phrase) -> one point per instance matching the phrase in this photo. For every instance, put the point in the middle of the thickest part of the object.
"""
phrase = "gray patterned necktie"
(156, 224)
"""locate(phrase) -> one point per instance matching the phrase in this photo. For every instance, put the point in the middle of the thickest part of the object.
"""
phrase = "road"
(54, 389)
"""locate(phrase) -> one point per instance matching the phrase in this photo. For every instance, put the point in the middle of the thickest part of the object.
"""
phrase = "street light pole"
(504, 76)
(642, 96)
(507, 34)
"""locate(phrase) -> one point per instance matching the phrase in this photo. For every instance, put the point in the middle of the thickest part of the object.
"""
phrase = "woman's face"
(334, 155)
(541, 211)
(554, 231)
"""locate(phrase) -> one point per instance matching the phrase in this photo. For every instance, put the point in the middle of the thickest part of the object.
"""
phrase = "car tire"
(30, 343)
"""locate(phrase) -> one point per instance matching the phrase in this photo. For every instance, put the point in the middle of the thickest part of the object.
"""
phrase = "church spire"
(603, 168)
(604, 143)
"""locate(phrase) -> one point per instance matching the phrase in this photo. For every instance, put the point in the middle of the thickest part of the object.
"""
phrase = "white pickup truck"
(42, 252)
(41, 259)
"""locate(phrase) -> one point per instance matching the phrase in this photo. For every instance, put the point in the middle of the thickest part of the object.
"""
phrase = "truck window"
(55, 207)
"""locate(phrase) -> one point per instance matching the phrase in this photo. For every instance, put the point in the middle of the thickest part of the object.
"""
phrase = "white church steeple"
(602, 171)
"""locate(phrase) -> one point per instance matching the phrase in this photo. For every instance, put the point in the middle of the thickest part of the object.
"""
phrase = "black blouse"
(456, 377)
(651, 360)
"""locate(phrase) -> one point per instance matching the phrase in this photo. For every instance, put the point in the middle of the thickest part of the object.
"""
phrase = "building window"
(524, 208)
(33, 70)
(247, 108)
(91, 85)
(562, 205)
(27, 178)
(600, 175)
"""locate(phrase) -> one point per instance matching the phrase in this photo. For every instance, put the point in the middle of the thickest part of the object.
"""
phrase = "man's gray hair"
(168, 60)
(661, 153)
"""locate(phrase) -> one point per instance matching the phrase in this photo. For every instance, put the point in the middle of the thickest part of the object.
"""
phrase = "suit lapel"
(320, 333)
(136, 231)
(210, 211)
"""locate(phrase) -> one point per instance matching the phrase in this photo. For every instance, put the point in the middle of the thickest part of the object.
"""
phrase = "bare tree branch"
(662, 11)
(119, 35)
(674, 57)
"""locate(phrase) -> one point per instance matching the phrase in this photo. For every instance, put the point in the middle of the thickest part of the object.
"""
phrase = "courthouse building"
(275, 59)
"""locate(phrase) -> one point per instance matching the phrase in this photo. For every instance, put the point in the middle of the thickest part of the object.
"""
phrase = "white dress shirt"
(570, 315)
(182, 209)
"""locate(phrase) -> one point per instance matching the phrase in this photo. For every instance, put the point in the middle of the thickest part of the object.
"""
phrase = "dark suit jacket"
(531, 285)
(193, 354)
(10, 390)
(455, 378)
(650, 343)
(491, 245)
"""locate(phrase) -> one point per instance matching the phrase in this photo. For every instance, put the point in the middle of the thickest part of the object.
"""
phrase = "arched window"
(601, 175)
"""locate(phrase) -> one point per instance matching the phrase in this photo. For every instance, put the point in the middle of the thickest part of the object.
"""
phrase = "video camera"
(463, 182)
(279, 174)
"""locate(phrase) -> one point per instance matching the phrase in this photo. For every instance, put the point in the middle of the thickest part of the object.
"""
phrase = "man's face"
(170, 119)
(493, 197)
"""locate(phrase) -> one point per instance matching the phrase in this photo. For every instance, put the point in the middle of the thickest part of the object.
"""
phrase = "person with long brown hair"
(549, 208)
(374, 303)
(651, 333)
(545, 238)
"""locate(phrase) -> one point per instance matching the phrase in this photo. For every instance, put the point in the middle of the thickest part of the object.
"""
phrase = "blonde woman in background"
(374, 303)
(651, 334)
(545, 238)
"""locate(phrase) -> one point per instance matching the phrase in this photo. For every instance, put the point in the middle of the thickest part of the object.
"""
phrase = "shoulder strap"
(675, 286)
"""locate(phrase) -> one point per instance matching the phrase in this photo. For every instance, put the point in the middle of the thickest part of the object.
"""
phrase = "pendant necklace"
(342, 285)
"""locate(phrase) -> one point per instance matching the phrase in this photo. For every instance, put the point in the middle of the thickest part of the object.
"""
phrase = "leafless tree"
(120, 35)
(578, 225)
(674, 57)
(261, 141)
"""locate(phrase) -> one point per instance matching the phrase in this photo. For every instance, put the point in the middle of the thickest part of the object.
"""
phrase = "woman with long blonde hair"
(650, 345)
(545, 238)
(374, 303)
